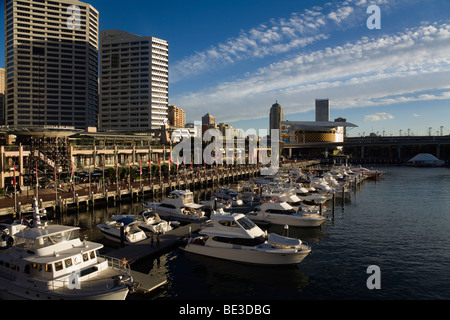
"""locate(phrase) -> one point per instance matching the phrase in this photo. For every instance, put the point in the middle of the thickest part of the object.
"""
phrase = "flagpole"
(37, 184)
(15, 190)
(140, 175)
(56, 187)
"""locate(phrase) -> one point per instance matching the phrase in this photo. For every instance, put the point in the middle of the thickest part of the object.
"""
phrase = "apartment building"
(134, 82)
(51, 63)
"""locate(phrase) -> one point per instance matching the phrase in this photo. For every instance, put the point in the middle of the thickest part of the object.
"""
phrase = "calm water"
(400, 223)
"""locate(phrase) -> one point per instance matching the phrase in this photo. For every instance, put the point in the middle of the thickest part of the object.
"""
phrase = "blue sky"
(234, 59)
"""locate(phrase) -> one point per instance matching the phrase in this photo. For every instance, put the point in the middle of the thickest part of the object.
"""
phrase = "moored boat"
(48, 262)
(178, 205)
(281, 213)
(235, 237)
(114, 228)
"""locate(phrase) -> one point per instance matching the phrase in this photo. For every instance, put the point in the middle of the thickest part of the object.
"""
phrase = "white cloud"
(340, 14)
(274, 37)
(372, 71)
(378, 116)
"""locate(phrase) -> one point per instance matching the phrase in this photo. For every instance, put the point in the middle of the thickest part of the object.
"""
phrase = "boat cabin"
(51, 253)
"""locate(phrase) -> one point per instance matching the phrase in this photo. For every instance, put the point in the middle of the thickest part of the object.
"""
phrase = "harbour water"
(400, 223)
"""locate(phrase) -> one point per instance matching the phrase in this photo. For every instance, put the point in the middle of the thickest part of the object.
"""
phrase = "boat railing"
(118, 264)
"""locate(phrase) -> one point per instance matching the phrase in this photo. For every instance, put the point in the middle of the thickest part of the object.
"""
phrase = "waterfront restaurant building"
(301, 137)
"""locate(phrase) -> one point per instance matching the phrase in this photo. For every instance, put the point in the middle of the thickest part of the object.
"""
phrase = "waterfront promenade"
(85, 197)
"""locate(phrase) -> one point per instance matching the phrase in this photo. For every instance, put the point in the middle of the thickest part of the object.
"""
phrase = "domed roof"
(276, 105)
(424, 157)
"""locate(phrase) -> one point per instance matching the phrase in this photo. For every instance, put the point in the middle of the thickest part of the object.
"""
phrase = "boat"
(149, 222)
(310, 195)
(216, 204)
(367, 173)
(234, 237)
(178, 205)
(8, 230)
(229, 194)
(281, 213)
(50, 262)
(113, 229)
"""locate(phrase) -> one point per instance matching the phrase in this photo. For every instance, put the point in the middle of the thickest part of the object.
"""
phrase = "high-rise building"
(51, 63)
(322, 110)
(276, 116)
(208, 122)
(177, 117)
(134, 82)
(2, 96)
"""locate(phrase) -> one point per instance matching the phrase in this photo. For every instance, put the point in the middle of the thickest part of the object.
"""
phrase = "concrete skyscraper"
(276, 116)
(51, 50)
(134, 82)
(322, 110)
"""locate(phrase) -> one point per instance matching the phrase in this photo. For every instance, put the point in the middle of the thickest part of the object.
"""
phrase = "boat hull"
(9, 290)
(250, 256)
(293, 221)
(175, 215)
(116, 237)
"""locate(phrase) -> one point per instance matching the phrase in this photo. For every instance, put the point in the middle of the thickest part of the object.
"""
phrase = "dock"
(153, 246)
(86, 197)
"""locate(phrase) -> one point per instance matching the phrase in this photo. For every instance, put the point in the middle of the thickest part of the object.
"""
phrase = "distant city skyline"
(235, 59)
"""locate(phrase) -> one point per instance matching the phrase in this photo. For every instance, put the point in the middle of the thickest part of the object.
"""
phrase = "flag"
(170, 162)
(140, 167)
(14, 178)
(159, 162)
(54, 174)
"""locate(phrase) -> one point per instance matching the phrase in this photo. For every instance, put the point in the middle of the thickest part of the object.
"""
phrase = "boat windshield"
(188, 198)
(246, 223)
(44, 240)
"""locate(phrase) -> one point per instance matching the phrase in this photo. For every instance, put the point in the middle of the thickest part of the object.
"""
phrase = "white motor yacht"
(229, 194)
(131, 231)
(148, 221)
(281, 213)
(235, 237)
(178, 205)
(50, 262)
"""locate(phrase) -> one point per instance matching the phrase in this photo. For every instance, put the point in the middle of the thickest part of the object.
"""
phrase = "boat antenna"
(36, 214)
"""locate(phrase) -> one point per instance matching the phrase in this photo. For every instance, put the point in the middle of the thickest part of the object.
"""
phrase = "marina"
(350, 240)
(135, 247)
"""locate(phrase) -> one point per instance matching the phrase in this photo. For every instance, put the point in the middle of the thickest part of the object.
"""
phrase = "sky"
(234, 59)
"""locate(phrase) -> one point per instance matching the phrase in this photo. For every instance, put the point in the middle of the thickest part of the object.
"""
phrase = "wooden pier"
(82, 198)
(152, 247)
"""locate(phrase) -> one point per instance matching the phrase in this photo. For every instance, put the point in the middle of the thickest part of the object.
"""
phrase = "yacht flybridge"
(235, 237)
(179, 205)
(51, 262)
